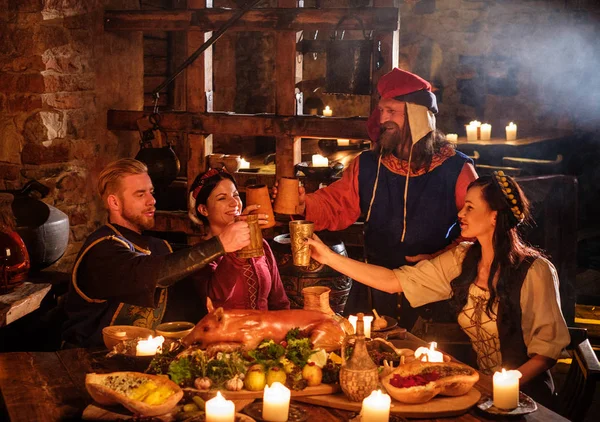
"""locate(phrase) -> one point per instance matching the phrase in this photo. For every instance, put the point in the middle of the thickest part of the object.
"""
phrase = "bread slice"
(142, 394)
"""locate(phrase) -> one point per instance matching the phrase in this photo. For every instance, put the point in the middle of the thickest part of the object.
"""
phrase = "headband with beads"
(510, 194)
(204, 178)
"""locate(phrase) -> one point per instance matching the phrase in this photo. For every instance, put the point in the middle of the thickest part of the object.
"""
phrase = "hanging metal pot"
(162, 162)
(349, 63)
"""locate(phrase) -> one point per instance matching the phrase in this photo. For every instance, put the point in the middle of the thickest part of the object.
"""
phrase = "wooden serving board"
(437, 407)
(323, 389)
(96, 413)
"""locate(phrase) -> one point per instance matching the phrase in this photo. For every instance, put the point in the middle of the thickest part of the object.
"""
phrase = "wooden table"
(24, 299)
(50, 386)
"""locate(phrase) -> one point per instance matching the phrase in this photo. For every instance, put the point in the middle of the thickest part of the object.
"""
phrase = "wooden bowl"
(175, 330)
(114, 334)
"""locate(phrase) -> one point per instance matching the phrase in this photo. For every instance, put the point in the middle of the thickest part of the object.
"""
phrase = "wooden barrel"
(297, 278)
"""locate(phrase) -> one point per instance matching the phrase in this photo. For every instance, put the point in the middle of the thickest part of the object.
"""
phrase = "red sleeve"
(466, 176)
(277, 297)
(336, 206)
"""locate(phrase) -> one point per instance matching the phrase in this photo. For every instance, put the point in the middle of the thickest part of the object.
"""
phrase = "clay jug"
(359, 375)
(316, 298)
(287, 196)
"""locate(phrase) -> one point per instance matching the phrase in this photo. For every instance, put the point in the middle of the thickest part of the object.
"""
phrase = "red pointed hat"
(400, 82)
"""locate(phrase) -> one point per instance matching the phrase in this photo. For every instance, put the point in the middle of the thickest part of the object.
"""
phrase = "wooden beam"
(380, 19)
(244, 124)
(386, 44)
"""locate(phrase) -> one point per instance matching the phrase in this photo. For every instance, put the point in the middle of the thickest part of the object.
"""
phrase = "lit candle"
(353, 319)
(319, 161)
(244, 164)
(368, 319)
(343, 142)
(429, 354)
(327, 112)
(452, 137)
(486, 132)
(276, 403)
(376, 407)
(506, 389)
(220, 410)
(471, 132)
(149, 347)
(511, 132)
(475, 123)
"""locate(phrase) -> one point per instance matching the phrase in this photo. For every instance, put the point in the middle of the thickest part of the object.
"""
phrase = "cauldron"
(43, 228)
(316, 274)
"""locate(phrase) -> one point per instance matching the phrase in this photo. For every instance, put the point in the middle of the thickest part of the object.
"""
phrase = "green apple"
(256, 378)
(276, 374)
(312, 374)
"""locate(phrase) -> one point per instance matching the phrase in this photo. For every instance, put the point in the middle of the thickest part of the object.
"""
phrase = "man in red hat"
(408, 214)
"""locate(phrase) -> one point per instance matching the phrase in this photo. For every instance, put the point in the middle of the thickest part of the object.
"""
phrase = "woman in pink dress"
(232, 282)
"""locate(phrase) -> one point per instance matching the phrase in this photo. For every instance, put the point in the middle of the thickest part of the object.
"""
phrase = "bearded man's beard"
(139, 220)
(391, 140)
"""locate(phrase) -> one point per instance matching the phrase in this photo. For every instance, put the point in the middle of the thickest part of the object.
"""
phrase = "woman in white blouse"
(504, 292)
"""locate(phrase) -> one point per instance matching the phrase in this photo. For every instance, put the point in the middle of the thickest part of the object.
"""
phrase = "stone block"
(39, 154)
(49, 36)
(56, 82)
(79, 123)
(47, 171)
(83, 150)
(23, 64)
(72, 58)
(10, 146)
(69, 100)
(44, 126)
(23, 103)
(9, 171)
(71, 189)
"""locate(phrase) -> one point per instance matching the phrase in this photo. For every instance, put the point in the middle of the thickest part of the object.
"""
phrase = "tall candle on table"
(511, 132)
(368, 319)
(506, 389)
(471, 132)
(452, 137)
(376, 407)
(276, 403)
(149, 347)
(486, 132)
(220, 410)
(353, 319)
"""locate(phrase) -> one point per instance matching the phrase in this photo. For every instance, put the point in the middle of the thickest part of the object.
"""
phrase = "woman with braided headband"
(229, 281)
(505, 293)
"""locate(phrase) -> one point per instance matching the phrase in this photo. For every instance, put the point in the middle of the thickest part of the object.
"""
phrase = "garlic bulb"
(234, 384)
(203, 383)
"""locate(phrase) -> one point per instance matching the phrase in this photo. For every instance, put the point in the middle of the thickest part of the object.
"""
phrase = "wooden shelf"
(246, 124)
(286, 19)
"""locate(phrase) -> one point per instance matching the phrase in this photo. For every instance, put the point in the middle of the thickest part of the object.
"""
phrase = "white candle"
(353, 319)
(429, 354)
(220, 410)
(319, 161)
(486, 132)
(452, 137)
(276, 403)
(149, 347)
(244, 164)
(506, 389)
(368, 319)
(376, 407)
(475, 123)
(343, 142)
(511, 132)
(471, 132)
(327, 112)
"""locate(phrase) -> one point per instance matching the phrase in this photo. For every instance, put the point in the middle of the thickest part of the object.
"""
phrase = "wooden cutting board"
(436, 407)
(323, 389)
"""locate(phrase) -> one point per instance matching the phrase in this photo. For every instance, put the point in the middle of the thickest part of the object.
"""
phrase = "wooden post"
(200, 148)
(288, 150)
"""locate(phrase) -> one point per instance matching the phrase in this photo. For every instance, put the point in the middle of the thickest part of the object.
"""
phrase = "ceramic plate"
(526, 405)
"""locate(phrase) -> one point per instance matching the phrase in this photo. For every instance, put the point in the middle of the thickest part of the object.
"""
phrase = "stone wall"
(59, 73)
(532, 62)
